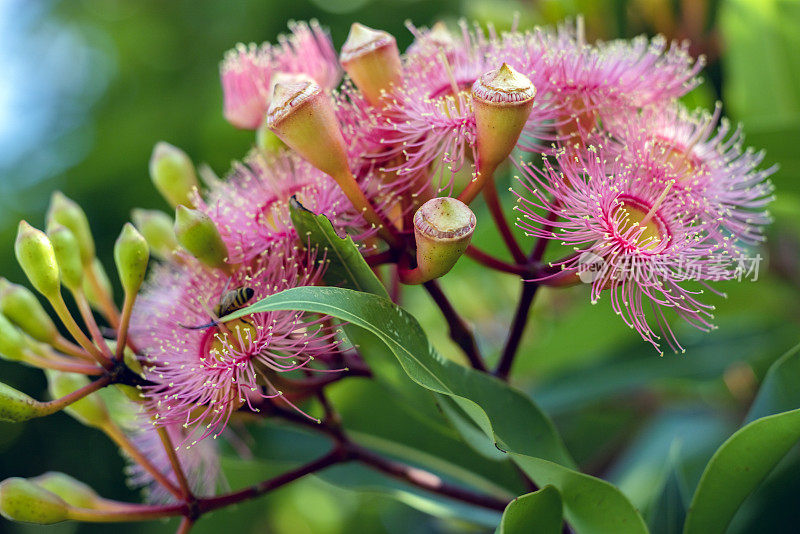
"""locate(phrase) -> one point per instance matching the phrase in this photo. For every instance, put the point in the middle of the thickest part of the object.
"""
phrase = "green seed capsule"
(173, 174)
(12, 342)
(105, 284)
(21, 307)
(68, 255)
(197, 233)
(67, 212)
(16, 406)
(37, 258)
(131, 255)
(22, 500)
(157, 228)
(90, 410)
(71, 491)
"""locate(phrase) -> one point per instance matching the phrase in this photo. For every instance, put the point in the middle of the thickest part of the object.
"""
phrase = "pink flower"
(705, 159)
(200, 462)
(251, 207)
(631, 235)
(203, 375)
(247, 71)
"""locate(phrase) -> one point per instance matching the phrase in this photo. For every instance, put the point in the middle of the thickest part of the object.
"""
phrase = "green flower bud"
(197, 233)
(37, 258)
(443, 228)
(372, 60)
(22, 500)
(16, 406)
(156, 227)
(12, 342)
(67, 212)
(105, 283)
(90, 410)
(131, 255)
(21, 307)
(173, 174)
(68, 255)
(73, 492)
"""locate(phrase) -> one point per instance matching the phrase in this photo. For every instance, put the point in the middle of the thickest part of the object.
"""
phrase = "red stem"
(459, 331)
(493, 203)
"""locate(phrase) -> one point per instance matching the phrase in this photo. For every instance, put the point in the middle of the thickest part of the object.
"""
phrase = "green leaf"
(737, 468)
(779, 391)
(535, 513)
(507, 416)
(346, 265)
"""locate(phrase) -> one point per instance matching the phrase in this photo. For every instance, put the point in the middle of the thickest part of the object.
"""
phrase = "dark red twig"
(459, 331)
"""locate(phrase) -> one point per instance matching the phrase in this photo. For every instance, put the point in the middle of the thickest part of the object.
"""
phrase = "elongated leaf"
(510, 418)
(779, 391)
(346, 266)
(535, 513)
(737, 468)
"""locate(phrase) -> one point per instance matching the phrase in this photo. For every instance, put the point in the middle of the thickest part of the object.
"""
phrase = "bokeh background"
(88, 86)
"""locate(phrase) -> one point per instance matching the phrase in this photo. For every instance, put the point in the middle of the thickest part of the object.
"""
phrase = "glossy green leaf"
(346, 265)
(535, 513)
(778, 391)
(737, 468)
(510, 418)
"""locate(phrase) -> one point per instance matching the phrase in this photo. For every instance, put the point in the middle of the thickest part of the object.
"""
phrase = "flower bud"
(372, 60)
(105, 284)
(156, 227)
(16, 406)
(22, 500)
(67, 212)
(268, 141)
(71, 491)
(37, 258)
(502, 100)
(68, 255)
(131, 255)
(90, 410)
(443, 228)
(12, 342)
(173, 174)
(198, 234)
(21, 307)
(302, 115)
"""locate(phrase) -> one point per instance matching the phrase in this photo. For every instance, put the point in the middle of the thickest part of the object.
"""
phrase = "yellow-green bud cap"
(502, 100)
(173, 174)
(37, 258)
(102, 279)
(198, 234)
(156, 227)
(21, 307)
(12, 342)
(68, 255)
(268, 141)
(443, 228)
(372, 60)
(90, 410)
(16, 406)
(22, 500)
(131, 255)
(71, 491)
(68, 213)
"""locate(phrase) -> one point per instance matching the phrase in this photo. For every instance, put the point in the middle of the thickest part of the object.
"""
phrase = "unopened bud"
(372, 60)
(12, 342)
(16, 406)
(131, 255)
(68, 255)
(71, 491)
(302, 115)
(502, 100)
(173, 174)
(21, 307)
(157, 228)
(268, 141)
(90, 410)
(100, 274)
(198, 234)
(443, 228)
(67, 212)
(37, 258)
(22, 500)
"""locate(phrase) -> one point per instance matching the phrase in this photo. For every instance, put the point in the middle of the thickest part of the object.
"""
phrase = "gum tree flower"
(205, 370)
(635, 236)
(248, 71)
(703, 156)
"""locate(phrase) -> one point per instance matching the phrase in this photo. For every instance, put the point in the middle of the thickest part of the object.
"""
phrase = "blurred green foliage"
(106, 79)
